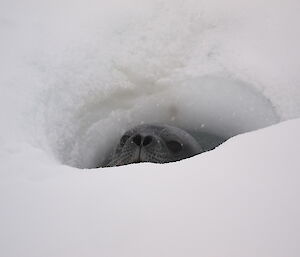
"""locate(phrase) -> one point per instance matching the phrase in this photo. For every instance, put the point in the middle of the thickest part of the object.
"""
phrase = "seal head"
(154, 143)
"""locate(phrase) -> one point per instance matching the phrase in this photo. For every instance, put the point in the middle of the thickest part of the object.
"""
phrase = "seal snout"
(139, 144)
(154, 143)
(140, 140)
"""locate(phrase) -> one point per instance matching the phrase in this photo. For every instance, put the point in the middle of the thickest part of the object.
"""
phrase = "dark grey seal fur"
(154, 143)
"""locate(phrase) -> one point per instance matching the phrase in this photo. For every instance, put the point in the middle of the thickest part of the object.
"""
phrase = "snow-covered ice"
(241, 199)
(74, 75)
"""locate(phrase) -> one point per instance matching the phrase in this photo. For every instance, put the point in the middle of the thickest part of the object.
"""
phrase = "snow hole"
(83, 127)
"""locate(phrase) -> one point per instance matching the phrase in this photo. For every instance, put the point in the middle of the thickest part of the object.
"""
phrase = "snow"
(74, 75)
(239, 200)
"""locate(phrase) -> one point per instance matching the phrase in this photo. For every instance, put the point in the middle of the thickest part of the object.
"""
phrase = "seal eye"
(174, 146)
(123, 140)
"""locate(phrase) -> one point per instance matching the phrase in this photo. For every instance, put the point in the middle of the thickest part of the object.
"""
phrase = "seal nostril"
(174, 146)
(147, 140)
(137, 139)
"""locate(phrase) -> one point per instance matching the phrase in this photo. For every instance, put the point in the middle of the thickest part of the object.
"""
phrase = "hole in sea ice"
(85, 130)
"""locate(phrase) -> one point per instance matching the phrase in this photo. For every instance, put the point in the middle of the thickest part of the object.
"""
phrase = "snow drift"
(238, 200)
(75, 75)
(89, 71)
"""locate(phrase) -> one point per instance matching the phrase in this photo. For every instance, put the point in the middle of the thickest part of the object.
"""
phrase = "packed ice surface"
(75, 74)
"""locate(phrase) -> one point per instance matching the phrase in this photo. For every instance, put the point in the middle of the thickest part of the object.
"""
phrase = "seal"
(154, 143)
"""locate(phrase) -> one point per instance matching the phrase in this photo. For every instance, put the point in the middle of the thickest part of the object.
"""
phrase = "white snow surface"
(242, 199)
(74, 75)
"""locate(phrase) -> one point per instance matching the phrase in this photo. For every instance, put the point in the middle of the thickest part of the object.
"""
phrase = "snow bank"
(75, 74)
(239, 200)
(75, 77)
